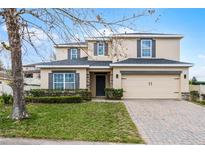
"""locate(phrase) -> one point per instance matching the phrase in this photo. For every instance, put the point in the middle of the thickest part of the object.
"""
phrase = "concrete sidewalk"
(27, 141)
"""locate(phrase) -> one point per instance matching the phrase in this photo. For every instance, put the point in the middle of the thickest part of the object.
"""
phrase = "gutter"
(150, 65)
(62, 66)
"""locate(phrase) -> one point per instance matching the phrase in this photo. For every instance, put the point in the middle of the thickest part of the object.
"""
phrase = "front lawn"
(91, 121)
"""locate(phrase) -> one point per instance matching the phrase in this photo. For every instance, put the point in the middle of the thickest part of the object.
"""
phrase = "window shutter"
(95, 49)
(153, 48)
(138, 48)
(50, 80)
(69, 56)
(77, 80)
(78, 53)
(106, 49)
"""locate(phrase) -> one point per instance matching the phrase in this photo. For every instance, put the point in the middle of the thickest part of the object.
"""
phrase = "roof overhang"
(151, 65)
(148, 36)
(99, 67)
(62, 66)
(69, 45)
(98, 38)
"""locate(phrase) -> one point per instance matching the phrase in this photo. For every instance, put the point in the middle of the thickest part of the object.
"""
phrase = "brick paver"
(168, 121)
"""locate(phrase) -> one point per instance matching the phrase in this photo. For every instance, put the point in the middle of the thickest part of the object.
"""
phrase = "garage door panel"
(150, 86)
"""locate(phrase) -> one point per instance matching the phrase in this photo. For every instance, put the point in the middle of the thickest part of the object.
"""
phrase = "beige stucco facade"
(62, 52)
(168, 48)
(117, 79)
(121, 48)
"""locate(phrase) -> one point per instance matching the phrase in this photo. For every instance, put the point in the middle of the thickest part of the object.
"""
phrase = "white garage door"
(151, 86)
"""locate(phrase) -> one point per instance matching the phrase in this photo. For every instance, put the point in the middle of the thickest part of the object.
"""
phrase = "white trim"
(150, 40)
(62, 66)
(106, 38)
(151, 36)
(134, 36)
(155, 65)
(99, 67)
(66, 45)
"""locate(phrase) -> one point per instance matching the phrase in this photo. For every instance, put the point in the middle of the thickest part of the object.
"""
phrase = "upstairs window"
(73, 54)
(146, 48)
(100, 49)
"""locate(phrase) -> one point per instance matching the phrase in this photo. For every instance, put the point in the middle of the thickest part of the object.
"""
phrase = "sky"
(188, 22)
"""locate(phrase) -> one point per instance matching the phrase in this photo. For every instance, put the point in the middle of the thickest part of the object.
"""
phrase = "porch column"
(111, 79)
(88, 80)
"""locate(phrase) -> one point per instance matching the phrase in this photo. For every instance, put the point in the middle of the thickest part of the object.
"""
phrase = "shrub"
(1, 102)
(6, 98)
(201, 102)
(61, 99)
(194, 95)
(114, 94)
(84, 93)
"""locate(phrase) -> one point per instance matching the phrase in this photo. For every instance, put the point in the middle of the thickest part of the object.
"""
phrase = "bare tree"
(67, 24)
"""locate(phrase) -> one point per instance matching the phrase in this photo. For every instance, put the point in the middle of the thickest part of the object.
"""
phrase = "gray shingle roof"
(85, 61)
(80, 61)
(73, 43)
(149, 61)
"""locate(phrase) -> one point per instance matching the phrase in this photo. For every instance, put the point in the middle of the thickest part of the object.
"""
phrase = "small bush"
(114, 94)
(197, 83)
(84, 93)
(1, 102)
(201, 102)
(61, 99)
(194, 95)
(6, 98)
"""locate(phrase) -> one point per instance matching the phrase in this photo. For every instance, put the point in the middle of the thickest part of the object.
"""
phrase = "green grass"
(91, 121)
(198, 102)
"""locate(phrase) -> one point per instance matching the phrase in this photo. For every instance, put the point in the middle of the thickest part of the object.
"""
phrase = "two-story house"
(145, 65)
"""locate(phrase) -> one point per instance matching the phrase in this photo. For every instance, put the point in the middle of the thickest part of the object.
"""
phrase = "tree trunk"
(13, 28)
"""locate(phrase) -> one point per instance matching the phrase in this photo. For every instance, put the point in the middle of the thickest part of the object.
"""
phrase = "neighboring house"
(200, 88)
(145, 65)
(31, 77)
(4, 83)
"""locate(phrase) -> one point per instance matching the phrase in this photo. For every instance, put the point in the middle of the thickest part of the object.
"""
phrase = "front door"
(100, 85)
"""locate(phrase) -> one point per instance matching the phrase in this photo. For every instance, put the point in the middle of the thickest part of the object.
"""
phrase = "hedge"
(61, 99)
(114, 94)
(197, 83)
(201, 102)
(6, 98)
(194, 95)
(84, 93)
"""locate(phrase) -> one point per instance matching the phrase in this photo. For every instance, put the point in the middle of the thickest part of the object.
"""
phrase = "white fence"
(199, 88)
(4, 88)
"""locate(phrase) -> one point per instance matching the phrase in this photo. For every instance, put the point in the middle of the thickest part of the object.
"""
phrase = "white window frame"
(74, 52)
(150, 48)
(103, 49)
(64, 80)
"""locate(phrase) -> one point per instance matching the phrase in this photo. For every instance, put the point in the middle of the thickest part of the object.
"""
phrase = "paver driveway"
(168, 121)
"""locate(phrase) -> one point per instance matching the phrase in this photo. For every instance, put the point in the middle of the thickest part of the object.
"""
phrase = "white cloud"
(4, 28)
(198, 72)
(108, 32)
(201, 56)
(39, 37)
